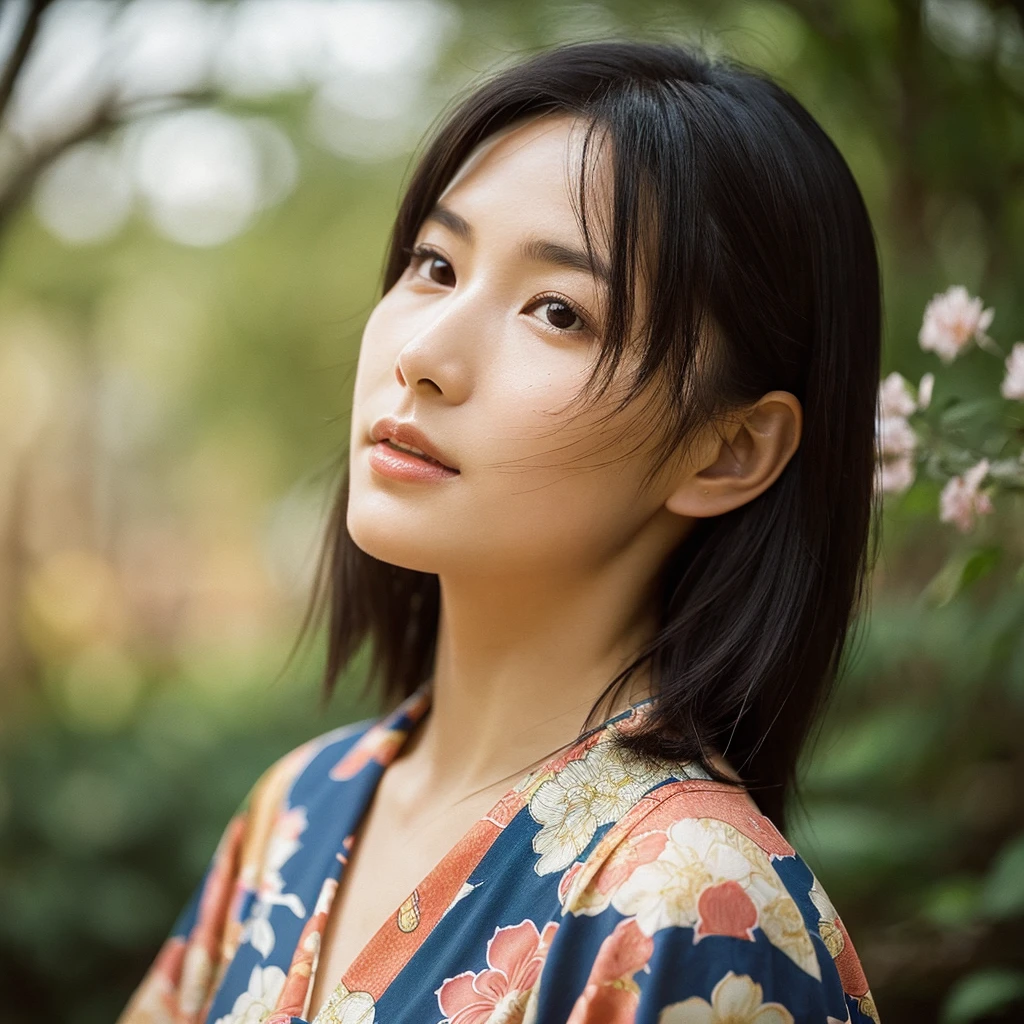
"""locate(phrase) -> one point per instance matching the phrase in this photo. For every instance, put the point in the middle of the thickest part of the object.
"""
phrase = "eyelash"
(419, 254)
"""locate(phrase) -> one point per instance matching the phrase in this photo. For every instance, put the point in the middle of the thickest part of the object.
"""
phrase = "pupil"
(439, 270)
(560, 315)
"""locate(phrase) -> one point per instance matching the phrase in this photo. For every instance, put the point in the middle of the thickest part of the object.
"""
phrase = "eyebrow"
(536, 250)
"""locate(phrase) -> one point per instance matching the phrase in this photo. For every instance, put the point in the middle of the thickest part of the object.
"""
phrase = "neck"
(519, 665)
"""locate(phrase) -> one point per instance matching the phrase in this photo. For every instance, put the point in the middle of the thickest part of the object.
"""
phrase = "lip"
(388, 428)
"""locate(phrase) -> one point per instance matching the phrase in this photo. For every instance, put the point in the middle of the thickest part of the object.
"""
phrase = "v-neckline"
(407, 927)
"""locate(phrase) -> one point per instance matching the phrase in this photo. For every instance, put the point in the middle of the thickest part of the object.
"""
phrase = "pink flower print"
(293, 998)
(498, 994)
(951, 320)
(611, 995)
(257, 1002)
(961, 501)
(1013, 382)
(597, 892)
(726, 909)
(379, 744)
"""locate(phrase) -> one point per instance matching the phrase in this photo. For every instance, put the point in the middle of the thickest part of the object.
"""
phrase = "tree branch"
(107, 115)
(26, 38)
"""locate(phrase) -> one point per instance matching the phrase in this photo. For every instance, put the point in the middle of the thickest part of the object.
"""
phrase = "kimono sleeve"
(697, 924)
(180, 983)
(721, 978)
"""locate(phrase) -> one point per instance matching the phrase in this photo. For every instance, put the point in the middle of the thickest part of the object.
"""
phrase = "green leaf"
(953, 902)
(887, 745)
(979, 409)
(960, 571)
(1003, 895)
(982, 993)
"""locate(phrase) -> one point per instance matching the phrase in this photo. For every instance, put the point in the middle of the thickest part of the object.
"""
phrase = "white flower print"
(828, 929)
(586, 793)
(736, 999)
(257, 1002)
(464, 891)
(345, 1007)
(824, 906)
(701, 853)
(196, 974)
(283, 844)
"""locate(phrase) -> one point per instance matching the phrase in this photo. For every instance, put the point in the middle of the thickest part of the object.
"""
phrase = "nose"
(438, 359)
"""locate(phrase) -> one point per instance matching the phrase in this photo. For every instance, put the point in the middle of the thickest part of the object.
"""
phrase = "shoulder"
(695, 871)
(336, 754)
(308, 775)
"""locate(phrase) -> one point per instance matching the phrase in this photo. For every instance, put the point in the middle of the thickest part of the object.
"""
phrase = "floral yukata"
(601, 889)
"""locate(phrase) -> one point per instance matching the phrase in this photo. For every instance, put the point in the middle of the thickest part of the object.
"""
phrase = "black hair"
(748, 228)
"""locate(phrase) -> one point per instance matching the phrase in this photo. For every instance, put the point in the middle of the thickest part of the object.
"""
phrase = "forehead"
(531, 168)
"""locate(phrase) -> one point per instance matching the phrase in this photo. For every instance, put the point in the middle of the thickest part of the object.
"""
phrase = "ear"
(736, 460)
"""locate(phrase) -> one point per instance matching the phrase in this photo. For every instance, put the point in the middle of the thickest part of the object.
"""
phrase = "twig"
(107, 115)
(26, 38)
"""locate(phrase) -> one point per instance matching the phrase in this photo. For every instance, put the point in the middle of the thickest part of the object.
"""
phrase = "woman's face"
(481, 344)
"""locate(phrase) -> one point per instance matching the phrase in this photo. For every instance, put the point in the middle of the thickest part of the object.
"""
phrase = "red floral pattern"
(639, 863)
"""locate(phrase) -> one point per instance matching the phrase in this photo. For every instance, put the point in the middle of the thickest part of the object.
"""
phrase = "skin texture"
(546, 544)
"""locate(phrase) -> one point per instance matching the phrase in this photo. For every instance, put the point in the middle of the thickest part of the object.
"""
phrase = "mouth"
(418, 453)
(393, 435)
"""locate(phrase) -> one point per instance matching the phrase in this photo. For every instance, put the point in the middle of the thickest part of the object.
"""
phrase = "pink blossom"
(951, 320)
(924, 390)
(895, 475)
(1013, 384)
(961, 501)
(611, 996)
(896, 437)
(894, 397)
(515, 955)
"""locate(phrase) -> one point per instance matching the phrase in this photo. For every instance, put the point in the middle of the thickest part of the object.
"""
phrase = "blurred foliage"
(171, 422)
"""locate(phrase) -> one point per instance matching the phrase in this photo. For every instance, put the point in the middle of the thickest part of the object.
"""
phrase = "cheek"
(562, 489)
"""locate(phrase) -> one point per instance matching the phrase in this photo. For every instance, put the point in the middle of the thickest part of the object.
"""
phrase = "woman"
(612, 447)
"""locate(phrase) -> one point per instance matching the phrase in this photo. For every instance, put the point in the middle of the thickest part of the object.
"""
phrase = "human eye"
(427, 263)
(559, 313)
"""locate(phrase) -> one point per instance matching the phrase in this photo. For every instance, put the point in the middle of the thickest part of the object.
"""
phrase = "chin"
(379, 537)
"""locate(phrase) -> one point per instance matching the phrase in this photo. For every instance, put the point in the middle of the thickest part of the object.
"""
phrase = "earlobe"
(700, 494)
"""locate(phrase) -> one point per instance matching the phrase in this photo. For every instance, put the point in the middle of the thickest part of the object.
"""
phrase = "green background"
(171, 426)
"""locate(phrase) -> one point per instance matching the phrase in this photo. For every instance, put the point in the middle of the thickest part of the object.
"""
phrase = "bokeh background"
(194, 203)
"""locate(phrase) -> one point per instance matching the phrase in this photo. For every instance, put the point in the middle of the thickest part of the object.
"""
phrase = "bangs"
(655, 345)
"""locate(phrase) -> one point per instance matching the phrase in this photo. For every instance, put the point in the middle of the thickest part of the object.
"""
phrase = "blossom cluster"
(952, 321)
